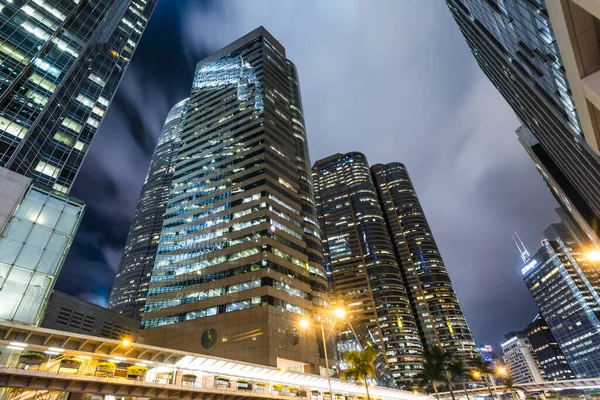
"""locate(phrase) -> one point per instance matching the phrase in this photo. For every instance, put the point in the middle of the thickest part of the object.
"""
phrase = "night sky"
(392, 79)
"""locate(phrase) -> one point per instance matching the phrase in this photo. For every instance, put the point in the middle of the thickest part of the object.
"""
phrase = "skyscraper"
(436, 307)
(61, 63)
(566, 287)
(514, 44)
(128, 295)
(547, 351)
(520, 359)
(361, 263)
(239, 260)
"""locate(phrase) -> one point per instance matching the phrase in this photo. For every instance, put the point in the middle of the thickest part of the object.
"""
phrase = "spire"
(521, 247)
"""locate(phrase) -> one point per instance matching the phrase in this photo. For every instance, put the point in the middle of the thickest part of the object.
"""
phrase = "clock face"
(209, 338)
(292, 336)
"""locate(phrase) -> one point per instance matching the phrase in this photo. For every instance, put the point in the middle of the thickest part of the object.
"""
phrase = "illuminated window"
(12, 128)
(47, 169)
(69, 123)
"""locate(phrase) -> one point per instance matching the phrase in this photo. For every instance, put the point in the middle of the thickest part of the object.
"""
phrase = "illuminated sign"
(528, 267)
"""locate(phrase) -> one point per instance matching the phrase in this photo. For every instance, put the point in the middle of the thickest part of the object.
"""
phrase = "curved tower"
(361, 261)
(128, 295)
(436, 306)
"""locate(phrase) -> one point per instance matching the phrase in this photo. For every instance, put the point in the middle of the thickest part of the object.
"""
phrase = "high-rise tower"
(239, 260)
(61, 63)
(515, 45)
(361, 263)
(437, 310)
(565, 283)
(128, 295)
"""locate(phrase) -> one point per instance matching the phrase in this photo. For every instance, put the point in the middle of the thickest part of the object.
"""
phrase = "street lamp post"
(338, 313)
(326, 360)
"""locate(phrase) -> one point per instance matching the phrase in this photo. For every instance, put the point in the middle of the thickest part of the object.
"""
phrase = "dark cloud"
(393, 79)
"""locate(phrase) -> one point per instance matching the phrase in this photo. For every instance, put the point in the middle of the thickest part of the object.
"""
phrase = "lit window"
(47, 169)
(69, 123)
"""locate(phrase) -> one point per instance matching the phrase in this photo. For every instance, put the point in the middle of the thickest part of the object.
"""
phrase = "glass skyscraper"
(128, 295)
(239, 260)
(436, 307)
(361, 262)
(60, 64)
(515, 46)
(566, 287)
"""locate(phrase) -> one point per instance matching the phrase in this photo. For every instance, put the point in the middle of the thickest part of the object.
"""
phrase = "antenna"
(521, 247)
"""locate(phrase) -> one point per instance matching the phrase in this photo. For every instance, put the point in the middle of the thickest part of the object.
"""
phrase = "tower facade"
(565, 284)
(129, 291)
(61, 63)
(547, 351)
(361, 263)
(239, 260)
(437, 309)
(515, 45)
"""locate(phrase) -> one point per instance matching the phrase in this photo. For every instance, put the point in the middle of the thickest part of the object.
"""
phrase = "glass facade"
(32, 250)
(60, 64)
(513, 43)
(520, 359)
(361, 262)
(240, 235)
(566, 287)
(128, 295)
(553, 363)
(437, 309)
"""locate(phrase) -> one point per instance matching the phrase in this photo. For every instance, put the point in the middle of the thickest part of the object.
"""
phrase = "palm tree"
(431, 373)
(362, 366)
(483, 369)
(509, 384)
(459, 370)
(443, 359)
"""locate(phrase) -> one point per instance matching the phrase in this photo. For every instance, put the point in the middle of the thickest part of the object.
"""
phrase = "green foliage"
(482, 367)
(189, 376)
(137, 370)
(107, 365)
(362, 364)
(33, 356)
(277, 386)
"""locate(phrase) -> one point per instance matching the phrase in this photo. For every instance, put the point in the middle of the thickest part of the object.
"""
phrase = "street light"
(593, 255)
(338, 313)
(501, 370)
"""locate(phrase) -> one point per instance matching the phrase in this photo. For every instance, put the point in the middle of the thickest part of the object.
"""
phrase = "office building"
(239, 259)
(436, 307)
(39, 224)
(361, 263)
(128, 295)
(515, 45)
(61, 63)
(487, 353)
(566, 286)
(70, 314)
(520, 359)
(550, 358)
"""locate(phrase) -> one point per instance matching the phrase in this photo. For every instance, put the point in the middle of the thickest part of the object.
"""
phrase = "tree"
(459, 371)
(430, 374)
(362, 366)
(443, 360)
(509, 384)
(483, 370)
